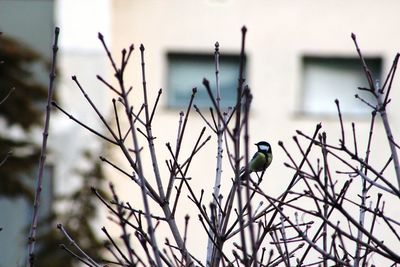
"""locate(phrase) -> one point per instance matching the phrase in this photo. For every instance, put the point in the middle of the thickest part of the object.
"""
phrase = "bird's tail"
(243, 173)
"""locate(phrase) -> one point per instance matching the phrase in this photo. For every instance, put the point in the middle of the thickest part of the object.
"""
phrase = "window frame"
(230, 58)
(353, 59)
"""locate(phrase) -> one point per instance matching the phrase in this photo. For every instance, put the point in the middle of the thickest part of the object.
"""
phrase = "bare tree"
(271, 232)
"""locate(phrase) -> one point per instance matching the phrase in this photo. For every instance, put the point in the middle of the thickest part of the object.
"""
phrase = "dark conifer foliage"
(22, 97)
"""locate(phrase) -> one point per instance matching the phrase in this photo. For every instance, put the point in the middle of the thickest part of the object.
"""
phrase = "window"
(186, 71)
(328, 78)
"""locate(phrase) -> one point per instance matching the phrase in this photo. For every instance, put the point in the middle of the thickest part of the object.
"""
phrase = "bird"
(261, 159)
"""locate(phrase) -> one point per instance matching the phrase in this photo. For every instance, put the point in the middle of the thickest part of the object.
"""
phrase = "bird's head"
(263, 146)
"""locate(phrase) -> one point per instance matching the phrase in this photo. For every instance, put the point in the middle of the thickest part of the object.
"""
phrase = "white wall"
(279, 34)
(80, 54)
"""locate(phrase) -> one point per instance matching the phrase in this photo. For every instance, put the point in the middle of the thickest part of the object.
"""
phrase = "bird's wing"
(258, 162)
(250, 163)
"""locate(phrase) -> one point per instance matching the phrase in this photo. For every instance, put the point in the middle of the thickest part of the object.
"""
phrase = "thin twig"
(42, 160)
(74, 244)
(7, 95)
(82, 124)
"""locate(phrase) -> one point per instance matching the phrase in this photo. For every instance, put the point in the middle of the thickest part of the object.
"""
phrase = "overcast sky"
(80, 21)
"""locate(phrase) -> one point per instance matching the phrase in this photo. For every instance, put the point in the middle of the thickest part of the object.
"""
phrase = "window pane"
(186, 71)
(330, 78)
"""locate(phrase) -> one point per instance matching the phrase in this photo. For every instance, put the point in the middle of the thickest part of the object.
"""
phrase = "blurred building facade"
(300, 58)
(31, 23)
(16, 213)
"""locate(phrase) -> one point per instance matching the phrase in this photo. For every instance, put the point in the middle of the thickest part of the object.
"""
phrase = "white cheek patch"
(264, 147)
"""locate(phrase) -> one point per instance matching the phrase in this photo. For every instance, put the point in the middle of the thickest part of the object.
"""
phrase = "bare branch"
(43, 152)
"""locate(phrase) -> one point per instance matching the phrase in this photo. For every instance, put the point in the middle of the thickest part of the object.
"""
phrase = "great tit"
(261, 159)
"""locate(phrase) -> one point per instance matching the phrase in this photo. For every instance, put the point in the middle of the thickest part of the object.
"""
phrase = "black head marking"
(263, 146)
